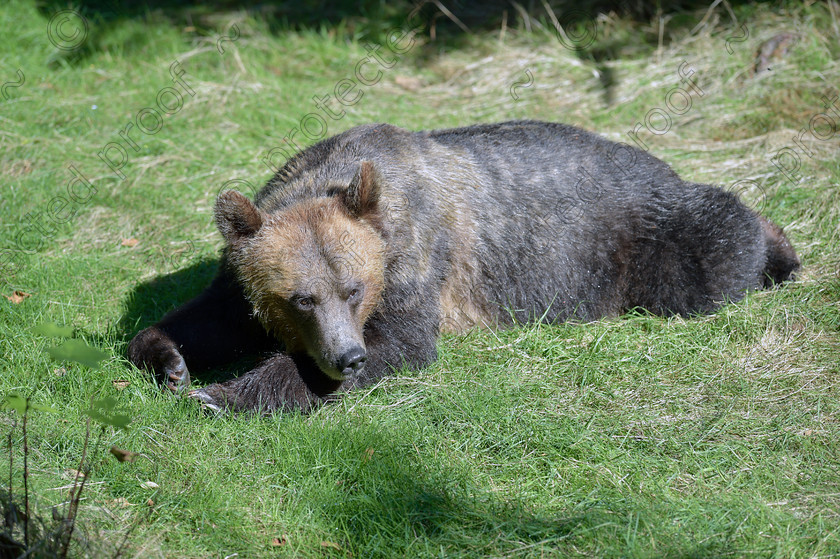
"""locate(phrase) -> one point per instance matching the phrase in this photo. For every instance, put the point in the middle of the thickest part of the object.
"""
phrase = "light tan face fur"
(314, 275)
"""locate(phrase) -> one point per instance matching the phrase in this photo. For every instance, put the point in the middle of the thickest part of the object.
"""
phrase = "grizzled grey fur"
(485, 226)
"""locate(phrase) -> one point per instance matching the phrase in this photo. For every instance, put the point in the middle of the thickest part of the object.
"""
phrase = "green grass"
(633, 437)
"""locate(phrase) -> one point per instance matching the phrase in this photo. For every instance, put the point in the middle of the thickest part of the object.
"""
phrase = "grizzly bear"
(365, 246)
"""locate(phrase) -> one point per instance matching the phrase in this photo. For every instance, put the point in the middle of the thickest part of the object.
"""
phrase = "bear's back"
(542, 218)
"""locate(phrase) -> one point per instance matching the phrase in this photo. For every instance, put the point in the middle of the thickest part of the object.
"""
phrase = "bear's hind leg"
(782, 261)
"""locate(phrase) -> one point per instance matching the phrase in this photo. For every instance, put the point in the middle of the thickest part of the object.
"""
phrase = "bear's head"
(313, 272)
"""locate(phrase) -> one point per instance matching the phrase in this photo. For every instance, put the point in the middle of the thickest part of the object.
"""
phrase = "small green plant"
(24, 533)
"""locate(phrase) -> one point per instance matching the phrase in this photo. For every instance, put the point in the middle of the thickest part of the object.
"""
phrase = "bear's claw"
(207, 401)
(177, 374)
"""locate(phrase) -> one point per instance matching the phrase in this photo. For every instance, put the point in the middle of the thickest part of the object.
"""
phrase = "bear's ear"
(362, 196)
(236, 217)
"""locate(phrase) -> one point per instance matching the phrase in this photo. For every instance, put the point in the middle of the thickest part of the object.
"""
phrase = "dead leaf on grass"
(124, 455)
(129, 242)
(17, 297)
(367, 455)
(22, 167)
(277, 542)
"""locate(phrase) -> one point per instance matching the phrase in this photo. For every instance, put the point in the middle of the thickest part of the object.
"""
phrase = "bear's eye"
(304, 303)
(355, 295)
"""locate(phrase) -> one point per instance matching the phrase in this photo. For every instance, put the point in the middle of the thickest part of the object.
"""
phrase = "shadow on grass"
(448, 24)
(152, 299)
(450, 17)
(451, 521)
(390, 501)
(385, 497)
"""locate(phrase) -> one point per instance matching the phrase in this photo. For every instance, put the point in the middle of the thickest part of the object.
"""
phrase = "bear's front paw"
(153, 350)
(275, 385)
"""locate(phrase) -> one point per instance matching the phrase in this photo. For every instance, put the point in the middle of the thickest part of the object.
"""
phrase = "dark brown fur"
(365, 246)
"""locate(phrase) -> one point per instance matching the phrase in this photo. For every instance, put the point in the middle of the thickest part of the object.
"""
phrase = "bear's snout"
(352, 361)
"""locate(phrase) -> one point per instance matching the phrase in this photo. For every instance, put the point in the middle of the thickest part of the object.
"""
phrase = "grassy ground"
(634, 437)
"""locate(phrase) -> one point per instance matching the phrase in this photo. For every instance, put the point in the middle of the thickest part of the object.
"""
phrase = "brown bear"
(362, 248)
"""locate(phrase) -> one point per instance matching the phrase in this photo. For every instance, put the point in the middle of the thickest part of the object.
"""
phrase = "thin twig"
(831, 7)
(128, 533)
(451, 16)
(661, 35)
(26, 477)
(731, 13)
(705, 17)
(76, 492)
(556, 23)
(526, 17)
(11, 465)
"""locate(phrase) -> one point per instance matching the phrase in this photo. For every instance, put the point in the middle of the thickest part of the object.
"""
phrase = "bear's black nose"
(353, 359)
